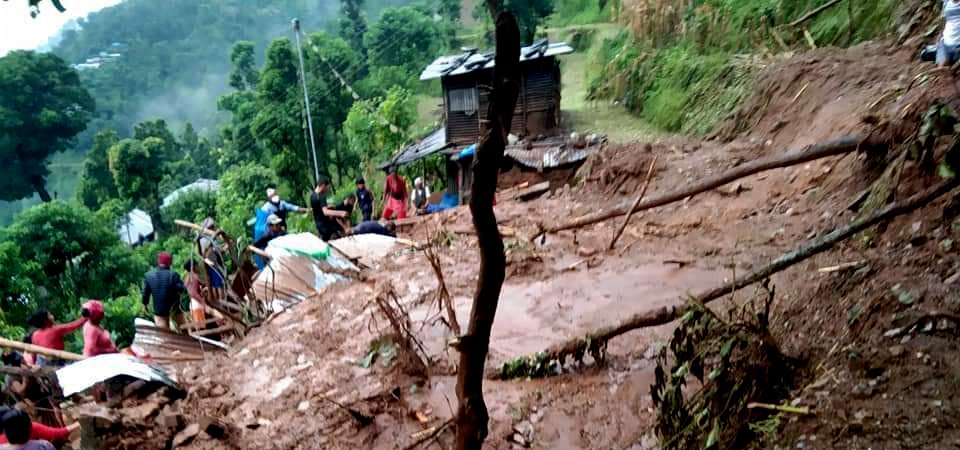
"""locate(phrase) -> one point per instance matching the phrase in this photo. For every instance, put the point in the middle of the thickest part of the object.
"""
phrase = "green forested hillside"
(175, 53)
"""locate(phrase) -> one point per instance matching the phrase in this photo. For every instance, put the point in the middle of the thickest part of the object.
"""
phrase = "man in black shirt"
(323, 217)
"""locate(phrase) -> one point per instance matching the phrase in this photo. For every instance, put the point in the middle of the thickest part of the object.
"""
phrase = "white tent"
(135, 226)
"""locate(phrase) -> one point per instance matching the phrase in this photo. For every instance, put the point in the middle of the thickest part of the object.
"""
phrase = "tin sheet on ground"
(83, 375)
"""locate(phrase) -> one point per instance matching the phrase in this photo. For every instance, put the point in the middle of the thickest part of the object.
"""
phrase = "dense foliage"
(678, 66)
(43, 107)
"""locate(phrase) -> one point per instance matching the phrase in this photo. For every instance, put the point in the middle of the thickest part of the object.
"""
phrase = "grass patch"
(679, 69)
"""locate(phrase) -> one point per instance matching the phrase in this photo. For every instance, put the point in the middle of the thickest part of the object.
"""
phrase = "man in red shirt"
(395, 196)
(96, 340)
(50, 334)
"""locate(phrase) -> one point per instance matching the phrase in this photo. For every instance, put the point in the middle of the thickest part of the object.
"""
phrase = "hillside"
(174, 55)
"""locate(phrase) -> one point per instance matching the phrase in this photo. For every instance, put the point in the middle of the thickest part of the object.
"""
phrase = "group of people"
(334, 221)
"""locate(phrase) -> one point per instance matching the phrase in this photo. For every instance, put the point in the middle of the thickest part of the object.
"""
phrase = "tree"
(530, 14)
(404, 37)
(74, 256)
(136, 168)
(353, 26)
(472, 417)
(43, 107)
(242, 190)
(244, 74)
(278, 124)
(376, 128)
(170, 149)
(450, 10)
(96, 184)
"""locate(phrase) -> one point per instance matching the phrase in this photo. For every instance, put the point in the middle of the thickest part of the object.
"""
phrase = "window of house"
(463, 100)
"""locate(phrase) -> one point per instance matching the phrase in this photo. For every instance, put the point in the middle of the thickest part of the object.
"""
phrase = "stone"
(896, 351)
(186, 436)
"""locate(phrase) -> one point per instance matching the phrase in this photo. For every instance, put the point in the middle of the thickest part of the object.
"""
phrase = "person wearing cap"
(323, 215)
(274, 230)
(96, 340)
(210, 251)
(165, 286)
(395, 196)
(364, 199)
(275, 205)
(421, 195)
(51, 335)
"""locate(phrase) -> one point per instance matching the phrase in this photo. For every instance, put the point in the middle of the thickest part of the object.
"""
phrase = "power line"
(306, 100)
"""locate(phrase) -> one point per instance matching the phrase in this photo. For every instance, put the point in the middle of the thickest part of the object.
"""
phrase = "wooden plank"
(36, 349)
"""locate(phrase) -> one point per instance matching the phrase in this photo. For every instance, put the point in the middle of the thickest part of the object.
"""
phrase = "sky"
(19, 31)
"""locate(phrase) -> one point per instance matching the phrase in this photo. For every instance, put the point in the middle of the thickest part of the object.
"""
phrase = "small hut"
(537, 141)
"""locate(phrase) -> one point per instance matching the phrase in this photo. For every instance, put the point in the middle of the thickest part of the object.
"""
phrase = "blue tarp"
(448, 201)
(469, 151)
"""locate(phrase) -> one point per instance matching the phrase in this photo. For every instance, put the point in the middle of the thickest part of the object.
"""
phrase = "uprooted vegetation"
(737, 364)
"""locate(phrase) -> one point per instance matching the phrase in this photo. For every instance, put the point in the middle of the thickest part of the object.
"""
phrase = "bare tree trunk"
(668, 314)
(39, 185)
(472, 416)
(838, 146)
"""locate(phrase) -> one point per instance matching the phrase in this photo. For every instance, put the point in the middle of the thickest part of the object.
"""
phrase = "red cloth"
(52, 337)
(394, 206)
(396, 187)
(95, 307)
(96, 341)
(39, 431)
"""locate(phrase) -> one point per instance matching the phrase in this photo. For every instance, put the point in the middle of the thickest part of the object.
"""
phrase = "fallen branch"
(814, 12)
(802, 410)
(38, 350)
(633, 207)
(844, 266)
(809, 153)
(428, 434)
(444, 301)
(668, 314)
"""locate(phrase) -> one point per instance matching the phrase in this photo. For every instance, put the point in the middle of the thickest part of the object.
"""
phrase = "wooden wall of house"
(538, 107)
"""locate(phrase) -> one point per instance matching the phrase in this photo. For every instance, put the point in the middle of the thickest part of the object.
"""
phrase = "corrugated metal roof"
(201, 184)
(434, 142)
(550, 153)
(166, 347)
(469, 61)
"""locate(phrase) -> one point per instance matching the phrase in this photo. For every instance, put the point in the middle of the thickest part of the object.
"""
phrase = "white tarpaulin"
(135, 226)
(83, 375)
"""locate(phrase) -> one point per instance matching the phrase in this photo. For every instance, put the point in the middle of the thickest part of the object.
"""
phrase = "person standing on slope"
(947, 48)
(395, 196)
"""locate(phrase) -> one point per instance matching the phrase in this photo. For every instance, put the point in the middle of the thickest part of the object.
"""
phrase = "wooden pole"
(36, 349)
(839, 146)
(633, 207)
(472, 416)
(668, 314)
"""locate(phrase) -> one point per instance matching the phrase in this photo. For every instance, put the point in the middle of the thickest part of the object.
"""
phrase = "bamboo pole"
(36, 349)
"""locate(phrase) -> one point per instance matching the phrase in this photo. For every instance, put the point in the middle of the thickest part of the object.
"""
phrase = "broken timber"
(668, 314)
(36, 349)
(835, 147)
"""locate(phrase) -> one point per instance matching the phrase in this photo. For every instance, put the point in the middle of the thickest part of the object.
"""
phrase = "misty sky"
(19, 31)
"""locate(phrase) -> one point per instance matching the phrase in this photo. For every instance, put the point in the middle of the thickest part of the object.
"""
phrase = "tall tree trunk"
(472, 417)
(39, 185)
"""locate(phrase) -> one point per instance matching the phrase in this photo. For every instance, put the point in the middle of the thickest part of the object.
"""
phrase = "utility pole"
(306, 100)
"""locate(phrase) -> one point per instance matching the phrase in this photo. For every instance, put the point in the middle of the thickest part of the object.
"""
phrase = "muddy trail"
(873, 381)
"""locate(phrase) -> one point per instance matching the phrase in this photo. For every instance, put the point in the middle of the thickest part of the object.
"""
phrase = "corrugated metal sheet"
(434, 142)
(166, 347)
(550, 153)
(470, 61)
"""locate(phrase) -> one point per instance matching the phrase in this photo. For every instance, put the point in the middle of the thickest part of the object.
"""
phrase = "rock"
(586, 251)
(789, 212)
(303, 406)
(893, 332)
(186, 436)
(218, 390)
(215, 428)
(896, 351)
(172, 421)
(953, 280)
(916, 226)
